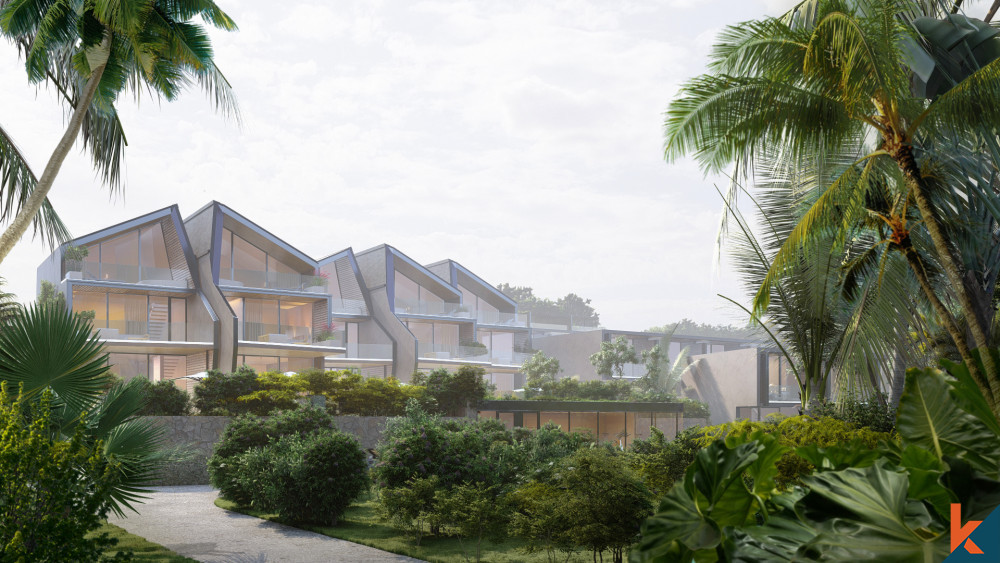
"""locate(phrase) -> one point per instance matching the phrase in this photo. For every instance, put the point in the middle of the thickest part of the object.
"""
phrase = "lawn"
(361, 524)
(145, 551)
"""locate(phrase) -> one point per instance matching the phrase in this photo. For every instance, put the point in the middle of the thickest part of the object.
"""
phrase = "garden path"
(186, 520)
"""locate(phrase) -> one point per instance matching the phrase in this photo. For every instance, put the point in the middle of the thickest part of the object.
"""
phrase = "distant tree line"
(570, 305)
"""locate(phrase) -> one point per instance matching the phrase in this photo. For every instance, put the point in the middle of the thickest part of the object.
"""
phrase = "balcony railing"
(432, 308)
(275, 333)
(501, 318)
(144, 330)
(783, 393)
(276, 280)
(349, 306)
(118, 272)
(508, 358)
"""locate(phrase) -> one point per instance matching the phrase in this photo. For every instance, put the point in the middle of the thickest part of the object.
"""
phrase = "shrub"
(163, 398)
(218, 394)
(249, 431)
(274, 391)
(410, 506)
(661, 462)
(475, 511)
(420, 445)
(592, 500)
(308, 478)
(53, 492)
(455, 391)
(875, 414)
(792, 432)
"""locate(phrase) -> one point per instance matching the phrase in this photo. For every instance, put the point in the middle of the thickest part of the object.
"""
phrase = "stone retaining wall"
(197, 436)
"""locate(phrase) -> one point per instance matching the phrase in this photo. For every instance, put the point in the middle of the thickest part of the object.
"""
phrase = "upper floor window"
(249, 266)
(137, 255)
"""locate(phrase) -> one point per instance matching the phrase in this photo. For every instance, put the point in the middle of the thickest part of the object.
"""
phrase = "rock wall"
(197, 435)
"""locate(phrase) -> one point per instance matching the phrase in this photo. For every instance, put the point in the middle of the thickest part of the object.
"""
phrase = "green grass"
(144, 551)
(362, 524)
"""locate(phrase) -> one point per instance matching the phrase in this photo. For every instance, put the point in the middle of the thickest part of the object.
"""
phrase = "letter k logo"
(961, 533)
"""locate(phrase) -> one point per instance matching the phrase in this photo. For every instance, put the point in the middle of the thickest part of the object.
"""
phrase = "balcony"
(142, 330)
(348, 306)
(508, 358)
(276, 280)
(783, 393)
(452, 352)
(431, 308)
(276, 334)
(501, 318)
(121, 273)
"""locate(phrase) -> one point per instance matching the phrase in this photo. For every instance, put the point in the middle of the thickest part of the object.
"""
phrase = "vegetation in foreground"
(363, 523)
(141, 549)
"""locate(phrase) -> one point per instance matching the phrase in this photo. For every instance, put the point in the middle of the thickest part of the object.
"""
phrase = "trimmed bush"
(163, 398)
(249, 431)
(308, 478)
(661, 462)
(218, 394)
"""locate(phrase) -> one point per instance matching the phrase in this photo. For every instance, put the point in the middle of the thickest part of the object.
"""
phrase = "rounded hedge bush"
(305, 479)
(249, 431)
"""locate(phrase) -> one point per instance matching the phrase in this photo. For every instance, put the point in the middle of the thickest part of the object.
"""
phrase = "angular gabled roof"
(398, 261)
(457, 271)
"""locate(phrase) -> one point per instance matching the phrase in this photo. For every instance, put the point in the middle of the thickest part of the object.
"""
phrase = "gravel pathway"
(186, 520)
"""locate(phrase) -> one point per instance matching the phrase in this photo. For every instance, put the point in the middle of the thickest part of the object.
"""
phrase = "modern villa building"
(173, 297)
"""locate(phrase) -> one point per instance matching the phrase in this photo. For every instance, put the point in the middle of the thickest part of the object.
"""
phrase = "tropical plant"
(17, 182)
(661, 375)
(891, 504)
(611, 359)
(475, 512)
(9, 307)
(54, 492)
(92, 51)
(825, 78)
(45, 349)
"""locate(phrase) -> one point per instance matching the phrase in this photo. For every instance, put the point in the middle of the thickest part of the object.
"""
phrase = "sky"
(521, 139)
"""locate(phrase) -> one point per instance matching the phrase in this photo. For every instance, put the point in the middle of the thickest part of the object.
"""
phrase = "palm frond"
(17, 182)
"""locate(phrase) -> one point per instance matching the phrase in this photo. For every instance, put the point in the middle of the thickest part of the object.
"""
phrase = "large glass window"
(407, 291)
(249, 264)
(296, 320)
(782, 386)
(153, 248)
(226, 256)
(127, 366)
(282, 276)
(135, 315)
(260, 318)
(503, 345)
(120, 258)
(446, 335)
(424, 332)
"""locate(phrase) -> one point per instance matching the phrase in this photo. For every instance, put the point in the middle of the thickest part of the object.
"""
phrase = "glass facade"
(131, 257)
(781, 383)
(275, 363)
(410, 297)
(242, 262)
(155, 367)
(273, 320)
(131, 315)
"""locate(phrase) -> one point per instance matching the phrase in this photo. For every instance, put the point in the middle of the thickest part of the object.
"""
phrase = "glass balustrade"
(119, 272)
(501, 318)
(281, 334)
(432, 308)
(349, 306)
(277, 280)
(146, 330)
(448, 352)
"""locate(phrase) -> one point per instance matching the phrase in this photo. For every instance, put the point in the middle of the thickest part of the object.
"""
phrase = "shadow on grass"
(362, 524)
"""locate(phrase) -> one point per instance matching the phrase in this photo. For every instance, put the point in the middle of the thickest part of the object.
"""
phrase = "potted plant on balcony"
(73, 258)
(317, 282)
(327, 335)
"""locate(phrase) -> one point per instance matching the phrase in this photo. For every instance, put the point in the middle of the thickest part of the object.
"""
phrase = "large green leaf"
(930, 417)
(48, 347)
(864, 515)
(966, 393)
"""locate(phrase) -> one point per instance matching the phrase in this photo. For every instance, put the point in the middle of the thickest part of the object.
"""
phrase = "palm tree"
(44, 347)
(794, 89)
(98, 49)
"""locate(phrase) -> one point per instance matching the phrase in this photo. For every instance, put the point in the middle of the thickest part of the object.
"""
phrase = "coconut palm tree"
(796, 90)
(44, 347)
(99, 49)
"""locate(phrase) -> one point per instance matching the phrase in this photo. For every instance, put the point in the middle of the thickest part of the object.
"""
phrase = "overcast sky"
(522, 139)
